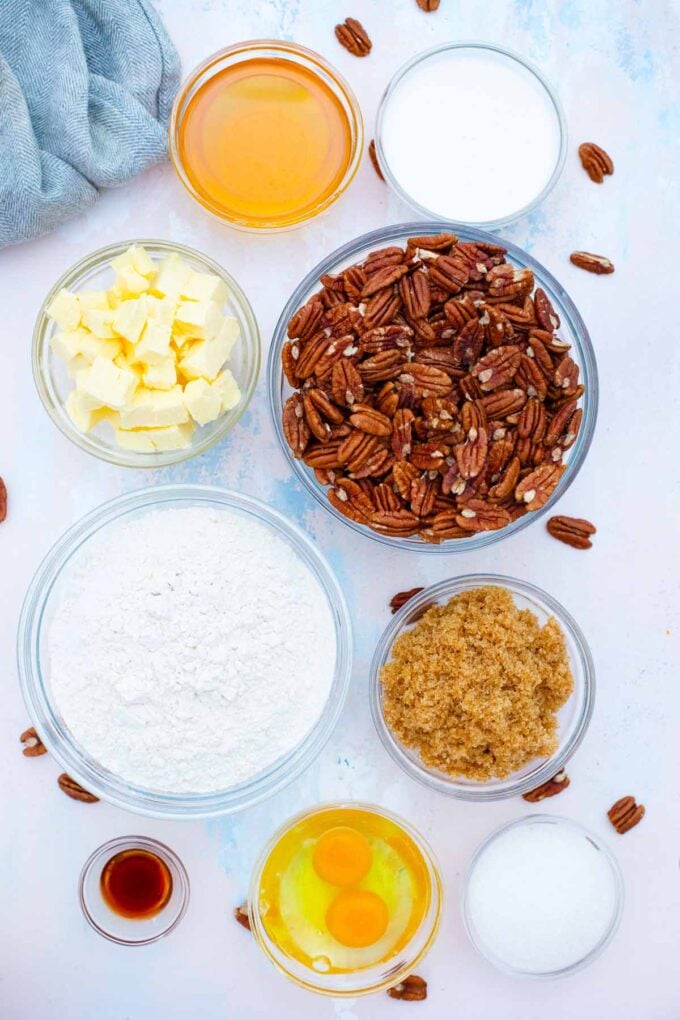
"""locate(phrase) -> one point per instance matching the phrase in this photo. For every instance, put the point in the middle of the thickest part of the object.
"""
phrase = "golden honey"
(344, 890)
(264, 142)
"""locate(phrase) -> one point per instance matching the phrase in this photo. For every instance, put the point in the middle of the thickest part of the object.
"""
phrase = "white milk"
(471, 134)
(541, 897)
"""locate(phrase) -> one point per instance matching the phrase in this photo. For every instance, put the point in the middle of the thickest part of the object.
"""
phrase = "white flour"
(190, 648)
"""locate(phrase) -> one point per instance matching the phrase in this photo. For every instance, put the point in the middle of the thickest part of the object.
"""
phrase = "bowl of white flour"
(184, 651)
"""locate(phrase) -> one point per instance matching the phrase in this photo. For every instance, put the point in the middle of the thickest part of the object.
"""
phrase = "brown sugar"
(474, 686)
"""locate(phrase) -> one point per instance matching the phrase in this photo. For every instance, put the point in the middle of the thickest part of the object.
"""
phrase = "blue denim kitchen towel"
(86, 88)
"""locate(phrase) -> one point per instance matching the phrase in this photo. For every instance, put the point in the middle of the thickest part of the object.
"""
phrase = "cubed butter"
(198, 319)
(202, 401)
(90, 299)
(173, 273)
(135, 258)
(64, 308)
(80, 341)
(105, 384)
(205, 359)
(162, 375)
(130, 318)
(78, 411)
(100, 322)
(227, 388)
(130, 283)
(160, 309)
(154, 409)
(205, 287)
(77, 364)
(154, 343)
(228, 333)
(173, 437)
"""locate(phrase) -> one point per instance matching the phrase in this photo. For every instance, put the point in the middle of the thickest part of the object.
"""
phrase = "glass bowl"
(53, 382)
(361, 982)
(301, 57)
(124, 930)
(532, 72)
(38, 609)
(574, 716)
(573, 330)
(617, 883)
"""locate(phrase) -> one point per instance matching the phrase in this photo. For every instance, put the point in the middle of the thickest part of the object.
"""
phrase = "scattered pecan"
(242, 916)
(597, 264)
(432, 376)
(354, 37)
(595, 161)
(75, 790)
(373, 156)
(412, 988)
(3, 501)
(402, 597)
(33, 745)
(550, 789)
(573, 531)
(625, 814)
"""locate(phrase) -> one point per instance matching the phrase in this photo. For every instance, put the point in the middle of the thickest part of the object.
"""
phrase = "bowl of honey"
(265, 134)
(345, 899)
(134, 890)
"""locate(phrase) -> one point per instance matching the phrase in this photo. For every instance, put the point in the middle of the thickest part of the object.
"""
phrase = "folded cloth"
(86, 88)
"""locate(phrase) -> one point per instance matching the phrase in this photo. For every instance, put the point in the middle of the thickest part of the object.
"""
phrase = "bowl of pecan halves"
(432, 387)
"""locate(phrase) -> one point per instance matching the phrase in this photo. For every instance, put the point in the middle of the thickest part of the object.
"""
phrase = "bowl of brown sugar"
(482, 687)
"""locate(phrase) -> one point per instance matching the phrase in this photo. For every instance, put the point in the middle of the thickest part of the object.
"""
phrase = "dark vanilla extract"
(136, 884)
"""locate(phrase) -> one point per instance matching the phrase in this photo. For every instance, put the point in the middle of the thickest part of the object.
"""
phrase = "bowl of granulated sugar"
(184, 651)
(471, 132)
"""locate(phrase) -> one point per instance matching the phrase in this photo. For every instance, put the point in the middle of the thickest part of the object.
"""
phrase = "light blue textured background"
(614, 63)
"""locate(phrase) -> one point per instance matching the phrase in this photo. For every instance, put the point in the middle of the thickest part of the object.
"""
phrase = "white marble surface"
(615, 65)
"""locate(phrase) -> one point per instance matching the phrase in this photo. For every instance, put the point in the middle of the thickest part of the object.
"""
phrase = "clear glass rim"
(85, 769)
(482, 792)
(430, 925)
(472, 44)
(567, 309)
(114, 455)
(597, 950)
(117, 845)
(281, 49)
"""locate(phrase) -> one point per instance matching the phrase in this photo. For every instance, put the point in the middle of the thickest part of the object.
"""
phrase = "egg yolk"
(357, 918)
(342, 856)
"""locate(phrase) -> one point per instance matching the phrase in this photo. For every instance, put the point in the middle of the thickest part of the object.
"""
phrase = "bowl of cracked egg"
(145, 353)
(345, 899)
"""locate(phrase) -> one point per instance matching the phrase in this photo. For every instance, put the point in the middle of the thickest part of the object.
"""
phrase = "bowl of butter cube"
(146, 353)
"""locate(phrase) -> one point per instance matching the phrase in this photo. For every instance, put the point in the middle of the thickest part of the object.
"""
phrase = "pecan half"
(367, 419)
(295, 427)
(412, 988)
(346, 383)
(354, 37)
(74, 790)
(402, 597)
(33, 745)
(625, 814)
(550, 789)
(497, 367)
(477, 515)
(573, 531)
(428, 5)
(598, 264)
(3, 501)
(595, 161)
(373, 156)
(242, 916)
(538, 486)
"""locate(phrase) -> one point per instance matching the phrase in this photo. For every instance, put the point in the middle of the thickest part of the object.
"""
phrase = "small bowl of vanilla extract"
(134, 890)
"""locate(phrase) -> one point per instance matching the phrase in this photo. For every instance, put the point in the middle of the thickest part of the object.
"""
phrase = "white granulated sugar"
(541, 897)
(471, 135)
(190, 649)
